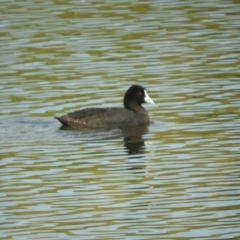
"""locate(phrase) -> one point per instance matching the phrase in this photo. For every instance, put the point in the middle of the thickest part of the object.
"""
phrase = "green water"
(178, 178)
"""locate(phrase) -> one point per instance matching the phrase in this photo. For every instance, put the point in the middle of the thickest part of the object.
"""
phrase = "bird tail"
(61, 120)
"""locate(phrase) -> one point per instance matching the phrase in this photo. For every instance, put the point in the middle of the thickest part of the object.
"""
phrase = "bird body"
(132, 114)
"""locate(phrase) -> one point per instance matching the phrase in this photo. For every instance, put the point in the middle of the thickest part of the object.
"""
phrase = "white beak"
(147, 99)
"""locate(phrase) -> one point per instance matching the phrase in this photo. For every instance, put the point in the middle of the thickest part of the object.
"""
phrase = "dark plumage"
(132, 114)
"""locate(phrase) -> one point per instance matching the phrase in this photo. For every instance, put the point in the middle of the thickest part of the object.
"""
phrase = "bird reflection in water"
(132, 136)
(133, 139)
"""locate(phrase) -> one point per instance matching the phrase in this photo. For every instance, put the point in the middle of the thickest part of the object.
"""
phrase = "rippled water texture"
(177, 178)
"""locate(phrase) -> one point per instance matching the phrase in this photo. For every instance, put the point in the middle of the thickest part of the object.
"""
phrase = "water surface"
(177, 178)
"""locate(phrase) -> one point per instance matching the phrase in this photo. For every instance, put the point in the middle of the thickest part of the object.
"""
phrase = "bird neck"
(135, 107)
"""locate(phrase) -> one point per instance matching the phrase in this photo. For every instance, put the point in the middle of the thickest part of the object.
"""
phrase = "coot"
(132, 114)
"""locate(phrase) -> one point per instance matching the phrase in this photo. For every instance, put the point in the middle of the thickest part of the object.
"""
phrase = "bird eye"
(139, 93)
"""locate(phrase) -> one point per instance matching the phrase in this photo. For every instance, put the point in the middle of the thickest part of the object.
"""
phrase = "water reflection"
(133, 139)
(132, 136)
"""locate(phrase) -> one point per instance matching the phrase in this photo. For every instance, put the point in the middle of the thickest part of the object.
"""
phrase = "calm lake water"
(178, 178)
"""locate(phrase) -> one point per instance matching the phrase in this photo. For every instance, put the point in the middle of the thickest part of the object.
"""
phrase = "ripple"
(177, 178)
